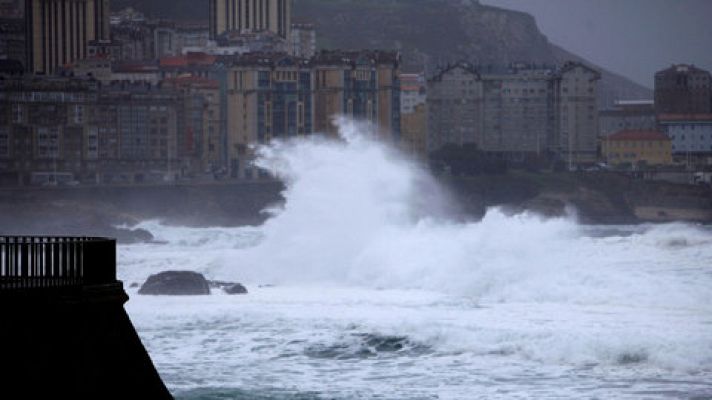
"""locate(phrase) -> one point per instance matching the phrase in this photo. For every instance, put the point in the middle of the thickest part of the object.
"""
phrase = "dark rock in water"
(134, 285)
(131, 236)
(219, 284)
(176, 283)
(235, 289)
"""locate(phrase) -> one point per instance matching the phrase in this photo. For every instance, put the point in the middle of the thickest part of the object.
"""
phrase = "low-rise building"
(637, 148)
(691, 136)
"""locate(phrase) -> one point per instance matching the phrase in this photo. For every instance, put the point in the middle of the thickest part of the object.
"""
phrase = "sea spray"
(354, 216)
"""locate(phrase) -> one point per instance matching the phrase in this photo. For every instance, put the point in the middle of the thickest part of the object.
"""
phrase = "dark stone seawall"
(598, 198)
(73, 343)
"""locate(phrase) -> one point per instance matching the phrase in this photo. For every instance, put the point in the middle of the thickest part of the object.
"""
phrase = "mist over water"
(375, 290)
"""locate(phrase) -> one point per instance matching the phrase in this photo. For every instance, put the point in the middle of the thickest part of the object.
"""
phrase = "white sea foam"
(508, 306)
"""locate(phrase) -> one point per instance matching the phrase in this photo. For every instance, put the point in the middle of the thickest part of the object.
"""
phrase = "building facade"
(683, 89)
(58, 31)
(46, 131)
(414, 114)
(455, 109)
(12, 40)
(576, 105)
(691, 136)
(362, 85)
(516, 112)
(279, 96)
(627, 115)
(637, 148)
(270, 96)
(250, 16)
(303, 40)
(67, 129)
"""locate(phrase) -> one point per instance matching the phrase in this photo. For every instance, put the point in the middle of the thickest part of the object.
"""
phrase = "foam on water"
(379, 294)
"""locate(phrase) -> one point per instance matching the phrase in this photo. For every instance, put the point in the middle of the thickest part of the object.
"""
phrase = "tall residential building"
(414, 114)
(274, 95)
(46, 130)
(518, 111)
(58, 31)
(360, 84)
(683, 89)
(12, 40)
(250, 16)
(455, 107)
(68, 129)
(576, 105)
(269, 96)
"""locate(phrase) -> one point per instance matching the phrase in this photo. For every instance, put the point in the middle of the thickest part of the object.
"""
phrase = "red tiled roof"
(685, 117)
(174, 61)
(188, 59)
(193, 81)
(630, 135)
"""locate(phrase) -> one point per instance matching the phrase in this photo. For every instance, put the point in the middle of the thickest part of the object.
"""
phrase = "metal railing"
(55, 262)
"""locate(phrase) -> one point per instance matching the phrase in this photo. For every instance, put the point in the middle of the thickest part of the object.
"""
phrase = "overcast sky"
(634, 38)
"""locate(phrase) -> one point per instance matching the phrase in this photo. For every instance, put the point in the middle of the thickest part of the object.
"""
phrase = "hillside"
(429, 33)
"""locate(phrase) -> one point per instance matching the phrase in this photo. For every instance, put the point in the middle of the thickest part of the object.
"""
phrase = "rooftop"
(637, 135)
(685, 117)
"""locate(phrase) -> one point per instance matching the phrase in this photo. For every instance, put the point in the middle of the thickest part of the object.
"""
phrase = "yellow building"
(274, 96)
(635, 147)
(250, 16)
(59, 31)
(414, 114)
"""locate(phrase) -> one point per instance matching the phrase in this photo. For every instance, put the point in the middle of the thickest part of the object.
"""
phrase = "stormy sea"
(363, 286)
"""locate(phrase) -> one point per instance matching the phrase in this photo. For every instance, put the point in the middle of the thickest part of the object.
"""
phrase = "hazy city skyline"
(634, 38)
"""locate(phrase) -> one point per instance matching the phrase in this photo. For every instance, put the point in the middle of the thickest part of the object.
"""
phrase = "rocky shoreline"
(597, 198)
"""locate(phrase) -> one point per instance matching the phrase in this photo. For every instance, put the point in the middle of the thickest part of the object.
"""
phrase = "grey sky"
(635, 38)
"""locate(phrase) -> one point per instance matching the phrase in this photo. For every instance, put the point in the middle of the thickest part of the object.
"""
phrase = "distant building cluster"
(517, 112)
(89, 96)
(681, 113)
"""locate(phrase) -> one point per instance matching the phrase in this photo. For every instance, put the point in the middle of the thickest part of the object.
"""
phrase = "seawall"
(599, 198)
(73, 343)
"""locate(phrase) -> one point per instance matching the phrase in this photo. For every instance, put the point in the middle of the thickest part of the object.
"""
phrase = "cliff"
(429, 33)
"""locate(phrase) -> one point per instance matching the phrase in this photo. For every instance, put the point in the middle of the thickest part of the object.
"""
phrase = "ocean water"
(362, 287)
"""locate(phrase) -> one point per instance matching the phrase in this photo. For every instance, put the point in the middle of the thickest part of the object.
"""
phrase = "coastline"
(598, 198)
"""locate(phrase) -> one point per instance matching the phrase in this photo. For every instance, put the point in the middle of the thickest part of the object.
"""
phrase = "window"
(78, 114)
(4, 142)
(17, 113)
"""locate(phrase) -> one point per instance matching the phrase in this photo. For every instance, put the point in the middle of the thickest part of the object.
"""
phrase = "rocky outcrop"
(228, 287)
(235, 289)
(176, 283)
